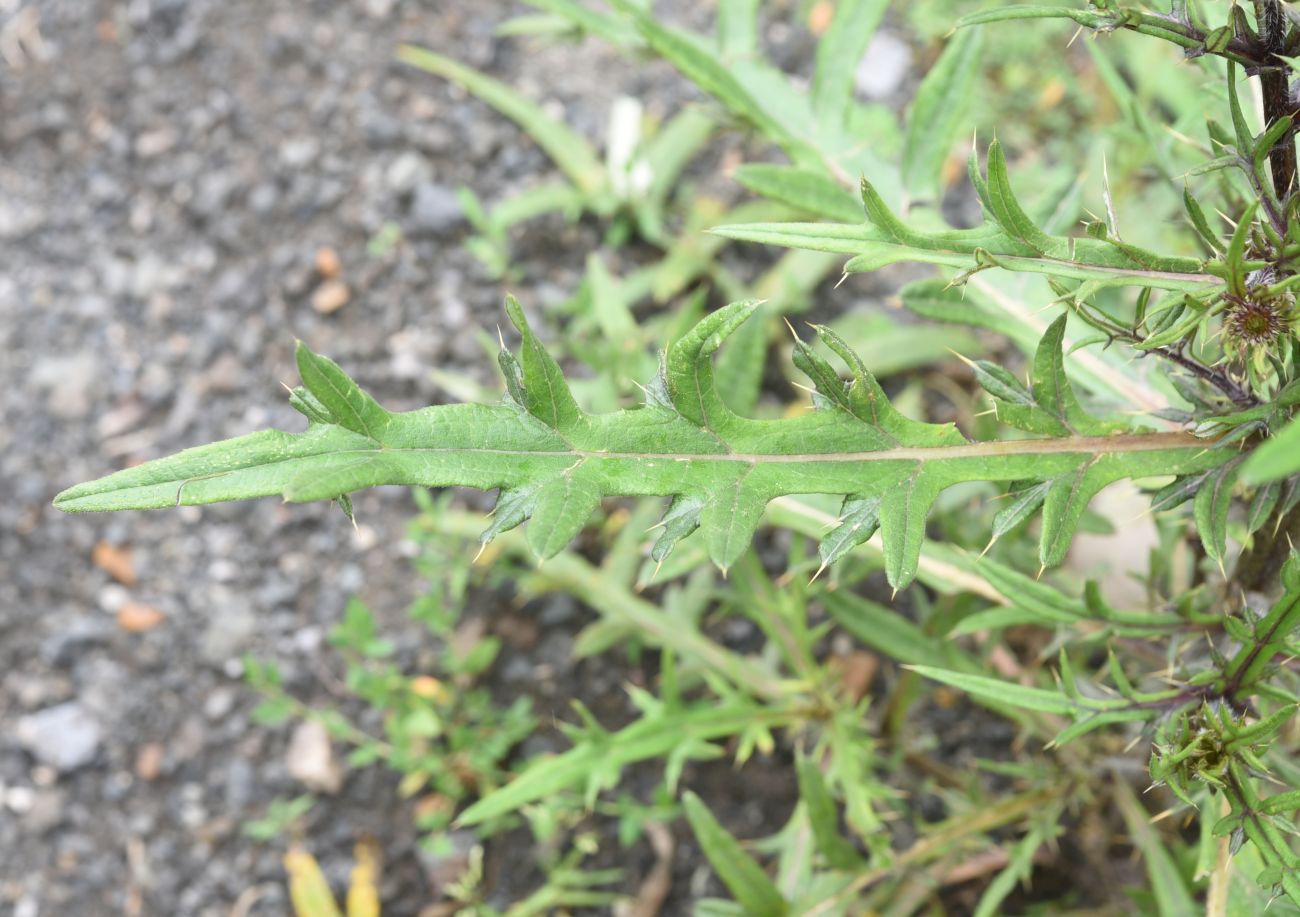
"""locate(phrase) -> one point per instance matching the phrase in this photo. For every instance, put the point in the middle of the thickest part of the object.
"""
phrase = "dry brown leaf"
(654, 889)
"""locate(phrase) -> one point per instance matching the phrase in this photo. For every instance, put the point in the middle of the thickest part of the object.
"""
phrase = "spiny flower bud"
(1256, 320)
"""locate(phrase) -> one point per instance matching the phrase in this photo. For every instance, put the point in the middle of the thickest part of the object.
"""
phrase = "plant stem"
(1271, 20)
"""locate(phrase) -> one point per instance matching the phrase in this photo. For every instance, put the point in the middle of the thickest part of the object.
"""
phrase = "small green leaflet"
(554, 463)
(1008, 239)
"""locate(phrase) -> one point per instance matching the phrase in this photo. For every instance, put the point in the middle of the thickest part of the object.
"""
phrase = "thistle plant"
(1204, 673)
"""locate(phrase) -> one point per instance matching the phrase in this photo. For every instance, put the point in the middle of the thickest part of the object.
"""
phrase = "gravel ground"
(169, 170)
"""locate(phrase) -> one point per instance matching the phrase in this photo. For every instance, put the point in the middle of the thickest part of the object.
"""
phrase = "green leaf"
(824, 818)
(737, 27)
(554, 462)
(839, 52)
(343, 402)
(936, 115)
(699, 64)
(1020, 864)
(1210, 508)
(570, 151)
(1002, 692)
(1010, 242)
(588, 20)
(1167, 883)
(650, 737)
(744, 878)
(1278, 457)
(1091, 19)
(801, 188)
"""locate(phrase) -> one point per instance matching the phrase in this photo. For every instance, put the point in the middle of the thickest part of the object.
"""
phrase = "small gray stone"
(883, 67)
(227, 634)
(435, 210)
(407, 172)
(64, 737)
(299, 152)
(219, 703)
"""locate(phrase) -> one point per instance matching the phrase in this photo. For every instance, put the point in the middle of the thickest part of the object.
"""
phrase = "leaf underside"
(553, 463)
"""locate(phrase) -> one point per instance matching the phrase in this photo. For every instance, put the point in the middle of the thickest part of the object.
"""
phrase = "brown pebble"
(136, 618)
(148, 761)
(114, 561)
(328, 264)
(820, 16)
(330, 296)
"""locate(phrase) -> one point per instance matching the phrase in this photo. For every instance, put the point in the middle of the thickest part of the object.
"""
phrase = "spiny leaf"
(344, 402)
(995, 689)
(554, 463)
(546, 394)
(859, 520)
(1025, 504)
(1210, 508)
(1009, 240)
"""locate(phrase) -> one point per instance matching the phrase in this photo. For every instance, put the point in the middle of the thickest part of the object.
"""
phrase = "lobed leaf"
(1009, 239)
(554, 463)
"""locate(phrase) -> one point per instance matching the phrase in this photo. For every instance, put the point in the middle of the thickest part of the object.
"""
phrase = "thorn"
(968, 362)
(791, 327)
(819, 572)
(1077, 33)
(724, 571)
(501, 337)
(893, 595)
(1041, 568)
(986, 547)
(843, 277)
(482, 546)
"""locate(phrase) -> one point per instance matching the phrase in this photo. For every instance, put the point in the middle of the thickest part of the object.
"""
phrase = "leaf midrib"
(1082, 445)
